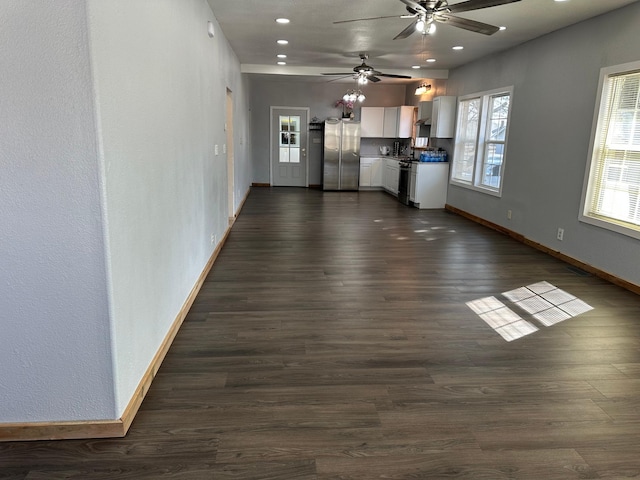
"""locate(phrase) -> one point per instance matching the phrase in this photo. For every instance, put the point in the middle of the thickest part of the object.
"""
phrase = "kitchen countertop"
(399, 157)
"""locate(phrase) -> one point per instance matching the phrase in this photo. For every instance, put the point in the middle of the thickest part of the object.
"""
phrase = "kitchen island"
(428, 184)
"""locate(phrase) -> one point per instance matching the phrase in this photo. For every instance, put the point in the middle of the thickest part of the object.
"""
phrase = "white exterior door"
(289, 162)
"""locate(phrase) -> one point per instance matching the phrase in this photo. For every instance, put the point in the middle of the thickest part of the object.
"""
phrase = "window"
(612, 182)
(481, 140)
(289, 139)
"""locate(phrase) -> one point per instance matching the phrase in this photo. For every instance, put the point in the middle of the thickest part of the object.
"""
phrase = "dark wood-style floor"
(332, 340)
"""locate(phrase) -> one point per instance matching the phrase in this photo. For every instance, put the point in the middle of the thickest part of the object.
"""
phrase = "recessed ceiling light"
(282, 63)
(283, 42)
(458, 47)
(431, 60)
(282, 20)
(502, 28)
(415, 66)
(282, 55)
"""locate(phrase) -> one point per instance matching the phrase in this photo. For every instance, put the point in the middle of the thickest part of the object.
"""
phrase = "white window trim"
(599, 112)
(484, 97)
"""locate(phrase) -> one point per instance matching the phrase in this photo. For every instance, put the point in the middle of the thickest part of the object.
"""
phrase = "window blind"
(615, 178)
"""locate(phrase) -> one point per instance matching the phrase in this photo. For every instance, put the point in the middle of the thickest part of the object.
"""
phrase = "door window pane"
(289, 138)
(284, 155)
(294, 155)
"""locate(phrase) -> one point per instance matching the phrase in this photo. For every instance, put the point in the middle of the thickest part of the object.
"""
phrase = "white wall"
(160, 93)
(555, 82)
(109, 191)
(55, 361)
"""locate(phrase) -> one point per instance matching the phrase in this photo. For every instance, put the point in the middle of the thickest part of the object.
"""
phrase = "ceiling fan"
(364, 73)
(427, 12)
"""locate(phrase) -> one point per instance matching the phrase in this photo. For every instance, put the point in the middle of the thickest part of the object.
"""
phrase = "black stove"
(404, 180)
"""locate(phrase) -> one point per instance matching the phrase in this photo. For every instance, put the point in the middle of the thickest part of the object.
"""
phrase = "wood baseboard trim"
(632, 287)
(11, 432)
(257, 184)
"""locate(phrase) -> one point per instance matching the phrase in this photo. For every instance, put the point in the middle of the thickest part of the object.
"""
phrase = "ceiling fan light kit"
(425, 13)
(364, 73)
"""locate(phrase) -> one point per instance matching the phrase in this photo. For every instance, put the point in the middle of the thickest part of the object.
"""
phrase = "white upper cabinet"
(406, 118)
(371, 122)
(390, 127)
(386, 122)
(443, 117)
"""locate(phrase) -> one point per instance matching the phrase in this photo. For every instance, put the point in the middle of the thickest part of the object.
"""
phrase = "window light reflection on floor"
(543, 301)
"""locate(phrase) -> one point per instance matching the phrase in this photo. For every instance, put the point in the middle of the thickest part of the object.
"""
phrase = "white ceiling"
(318, 45)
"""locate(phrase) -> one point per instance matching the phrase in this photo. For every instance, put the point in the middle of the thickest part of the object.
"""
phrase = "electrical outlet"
(508, 214)
(560, 235)
(215, 149)
(213, 239)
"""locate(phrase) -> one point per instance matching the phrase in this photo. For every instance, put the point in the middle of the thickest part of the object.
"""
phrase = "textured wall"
(55, 359)
(110, 191)
(161, 87)
(555, 81)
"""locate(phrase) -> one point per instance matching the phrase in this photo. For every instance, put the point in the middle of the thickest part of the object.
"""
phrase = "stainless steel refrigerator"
(341, 159)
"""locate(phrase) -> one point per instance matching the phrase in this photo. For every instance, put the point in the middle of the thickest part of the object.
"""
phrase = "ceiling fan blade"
(466, 24)
(346, 74)
(475, 5)
(407, 31)
(339, 78)
(364, 19)
(391, 75)
(373, 79)
(414, 6)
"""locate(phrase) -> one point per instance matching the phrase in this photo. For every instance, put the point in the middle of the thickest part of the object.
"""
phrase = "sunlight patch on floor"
(544, 302)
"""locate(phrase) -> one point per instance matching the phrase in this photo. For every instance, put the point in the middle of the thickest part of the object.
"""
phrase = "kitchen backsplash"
(371, 146)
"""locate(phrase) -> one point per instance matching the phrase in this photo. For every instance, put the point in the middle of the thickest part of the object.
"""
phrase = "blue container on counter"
(433, 156)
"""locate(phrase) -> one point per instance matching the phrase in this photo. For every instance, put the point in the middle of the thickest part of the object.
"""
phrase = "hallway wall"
(55, 353)
(160, 97)
(112, 198)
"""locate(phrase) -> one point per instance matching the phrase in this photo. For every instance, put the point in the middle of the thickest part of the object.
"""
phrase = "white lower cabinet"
(390, 175)
(365, 172)
(371, 172)
(429, 181)
(376, 172)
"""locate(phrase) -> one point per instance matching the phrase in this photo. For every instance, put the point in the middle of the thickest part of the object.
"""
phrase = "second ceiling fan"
(364, 73)
(426, 12)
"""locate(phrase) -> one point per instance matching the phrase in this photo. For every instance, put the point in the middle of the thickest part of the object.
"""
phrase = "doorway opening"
(228, 126)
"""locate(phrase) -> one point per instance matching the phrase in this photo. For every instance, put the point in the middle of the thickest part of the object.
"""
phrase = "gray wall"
(109, 193)
(319, 97)
(555, 82)
(55, 361)
(161, 86)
